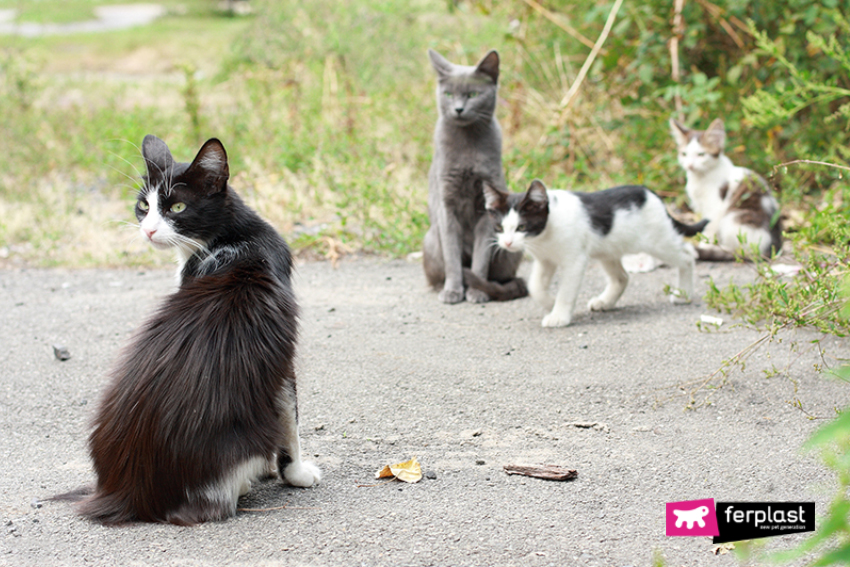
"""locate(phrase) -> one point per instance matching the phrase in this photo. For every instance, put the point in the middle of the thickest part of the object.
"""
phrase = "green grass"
(52, 11)
(326, 110)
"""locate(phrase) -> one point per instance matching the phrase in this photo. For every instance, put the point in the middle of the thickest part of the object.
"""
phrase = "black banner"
(737, 521)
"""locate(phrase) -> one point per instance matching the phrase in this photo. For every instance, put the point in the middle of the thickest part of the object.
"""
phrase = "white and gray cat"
(563, 230)
(738, 202)
(467, 154)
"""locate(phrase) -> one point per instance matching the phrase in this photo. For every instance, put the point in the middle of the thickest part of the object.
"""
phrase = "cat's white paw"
(599, 304)
(451, 295)
(302, 473)
(477, 296)
(556, 320)
(245, 488)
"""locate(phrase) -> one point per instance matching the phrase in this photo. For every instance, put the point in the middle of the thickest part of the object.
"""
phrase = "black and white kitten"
(203, 399)
(738, 202)
(467, 154)
(563, 230)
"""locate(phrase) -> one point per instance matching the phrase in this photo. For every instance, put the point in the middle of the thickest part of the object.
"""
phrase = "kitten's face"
(182, 205)
(466, 95)
(696, 158)
(699, 151)
(517, 217)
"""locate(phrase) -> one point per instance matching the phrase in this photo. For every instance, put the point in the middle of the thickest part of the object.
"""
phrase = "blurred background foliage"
(327, 111)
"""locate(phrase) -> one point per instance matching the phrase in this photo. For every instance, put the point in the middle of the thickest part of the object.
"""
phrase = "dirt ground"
(388, 373)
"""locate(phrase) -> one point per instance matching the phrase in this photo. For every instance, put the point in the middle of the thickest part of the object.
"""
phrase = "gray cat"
(467, 153)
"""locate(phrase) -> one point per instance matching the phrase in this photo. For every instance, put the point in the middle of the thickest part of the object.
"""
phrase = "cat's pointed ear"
(537, 192)
(440, 64)
(157, 156)
(680, 133)
(210, 165)
(493, 198)
(714, 139)
(489, 65)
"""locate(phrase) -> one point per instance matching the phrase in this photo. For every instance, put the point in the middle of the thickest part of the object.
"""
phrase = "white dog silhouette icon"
(691, 516)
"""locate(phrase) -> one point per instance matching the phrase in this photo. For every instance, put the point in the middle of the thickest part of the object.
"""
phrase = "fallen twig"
(546, 472)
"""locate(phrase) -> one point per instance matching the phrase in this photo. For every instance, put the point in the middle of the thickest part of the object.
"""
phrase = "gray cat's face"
(466, 95)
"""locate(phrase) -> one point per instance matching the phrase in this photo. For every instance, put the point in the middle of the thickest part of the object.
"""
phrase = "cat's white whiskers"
(139, 174)
(190, 245)
(494, 244)
(135, 180)
(123, 224)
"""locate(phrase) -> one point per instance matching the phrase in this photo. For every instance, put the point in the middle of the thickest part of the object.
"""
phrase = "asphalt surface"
(388, 373)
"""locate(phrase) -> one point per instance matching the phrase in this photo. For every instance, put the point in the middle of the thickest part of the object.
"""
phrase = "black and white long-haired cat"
(202, 401)
(457, 248)
(741, 209)
(563, 230)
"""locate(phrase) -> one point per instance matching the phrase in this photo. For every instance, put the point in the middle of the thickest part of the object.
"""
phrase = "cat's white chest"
(709, 191)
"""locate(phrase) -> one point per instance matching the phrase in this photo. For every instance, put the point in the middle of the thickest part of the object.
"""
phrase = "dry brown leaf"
(408, 471)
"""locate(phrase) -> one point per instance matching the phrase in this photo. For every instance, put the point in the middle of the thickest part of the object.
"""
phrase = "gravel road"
(388, 373)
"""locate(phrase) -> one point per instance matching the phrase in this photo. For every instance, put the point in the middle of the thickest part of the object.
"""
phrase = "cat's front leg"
(289, 464)
(539, 281)
(451, 241)
(565, 301)
(481, 252)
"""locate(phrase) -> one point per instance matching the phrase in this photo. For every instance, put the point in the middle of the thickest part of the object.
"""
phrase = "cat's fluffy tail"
(714, 253)
(689, 229)
(511, 289)
(108, 509)
(74, 495)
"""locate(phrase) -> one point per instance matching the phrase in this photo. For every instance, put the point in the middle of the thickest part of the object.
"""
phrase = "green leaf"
(838, 557)
(838, 428)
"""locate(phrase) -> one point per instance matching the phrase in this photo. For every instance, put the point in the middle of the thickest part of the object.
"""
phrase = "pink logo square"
(692, 518)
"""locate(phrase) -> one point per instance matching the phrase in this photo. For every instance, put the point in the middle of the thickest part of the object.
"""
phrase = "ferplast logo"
(752, 520)
(692, 518)
(735, 521)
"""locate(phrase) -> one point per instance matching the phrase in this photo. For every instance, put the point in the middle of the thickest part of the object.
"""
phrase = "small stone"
(431, 475)
(480, 462)
(35, 503)
(61, 352)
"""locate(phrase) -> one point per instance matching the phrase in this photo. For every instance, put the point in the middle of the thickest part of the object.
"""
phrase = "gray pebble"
(61, 352)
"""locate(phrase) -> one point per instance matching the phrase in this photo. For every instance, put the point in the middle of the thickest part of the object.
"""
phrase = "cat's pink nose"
(150, 233)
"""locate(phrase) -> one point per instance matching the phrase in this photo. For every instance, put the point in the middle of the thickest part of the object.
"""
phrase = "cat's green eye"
(498, 228)
(471, 95)
(447, 94)
(144, 205)
(701, 154)
(520, 228)
(178, 207)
